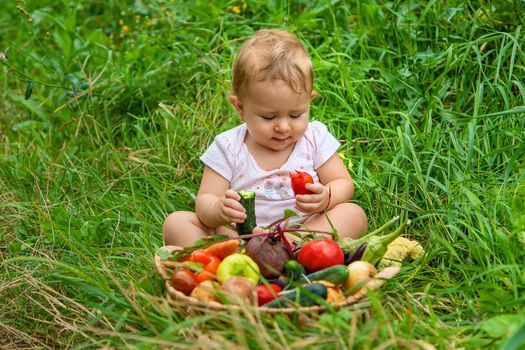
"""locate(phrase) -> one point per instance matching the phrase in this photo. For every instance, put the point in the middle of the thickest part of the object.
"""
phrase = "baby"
(272, 91)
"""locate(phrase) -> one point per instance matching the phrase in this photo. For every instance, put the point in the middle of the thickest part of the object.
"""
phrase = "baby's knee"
(356, 219)
(183, 228)
(173, 222)
(360, 218)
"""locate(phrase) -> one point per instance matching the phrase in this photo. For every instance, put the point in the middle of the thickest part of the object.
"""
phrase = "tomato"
(299, 180)
(210, 262)
(184, 281)
(319, 254)
(266, 294)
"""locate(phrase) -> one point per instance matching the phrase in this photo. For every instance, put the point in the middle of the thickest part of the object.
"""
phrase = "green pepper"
(294, 271)
(351, 245)
(377, 245)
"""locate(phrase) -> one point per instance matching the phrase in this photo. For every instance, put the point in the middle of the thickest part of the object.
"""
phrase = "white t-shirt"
(230, 158)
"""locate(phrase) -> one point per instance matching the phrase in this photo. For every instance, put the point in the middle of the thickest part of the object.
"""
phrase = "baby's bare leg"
(349, 220)
(182, 228)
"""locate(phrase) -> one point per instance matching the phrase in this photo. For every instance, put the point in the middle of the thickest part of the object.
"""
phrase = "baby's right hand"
(229, 208)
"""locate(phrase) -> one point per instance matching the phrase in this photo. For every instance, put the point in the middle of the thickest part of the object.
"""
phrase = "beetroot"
(269, 253)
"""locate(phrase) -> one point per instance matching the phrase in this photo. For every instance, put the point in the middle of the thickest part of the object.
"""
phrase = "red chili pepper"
(210, 262)
(299, 180)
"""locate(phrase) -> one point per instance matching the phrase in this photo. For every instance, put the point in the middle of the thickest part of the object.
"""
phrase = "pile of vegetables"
(266, 269)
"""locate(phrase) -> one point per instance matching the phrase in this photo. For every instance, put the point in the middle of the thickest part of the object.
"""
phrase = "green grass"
(428, 99)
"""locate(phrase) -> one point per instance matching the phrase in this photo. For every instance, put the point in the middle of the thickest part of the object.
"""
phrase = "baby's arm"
(216, 205)
(335, 179)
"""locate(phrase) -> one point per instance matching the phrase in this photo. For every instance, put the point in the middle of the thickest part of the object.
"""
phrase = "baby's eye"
(267, 117)
(296, 116)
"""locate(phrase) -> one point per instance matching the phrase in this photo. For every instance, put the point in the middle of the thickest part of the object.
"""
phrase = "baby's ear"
(237, 104)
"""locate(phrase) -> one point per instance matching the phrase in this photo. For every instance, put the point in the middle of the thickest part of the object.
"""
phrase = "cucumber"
(248, 202)
(312, 294)
(337, 274)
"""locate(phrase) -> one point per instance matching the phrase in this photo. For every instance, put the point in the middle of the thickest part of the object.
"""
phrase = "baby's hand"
(258, 230)
(229, 209)
(315, 202)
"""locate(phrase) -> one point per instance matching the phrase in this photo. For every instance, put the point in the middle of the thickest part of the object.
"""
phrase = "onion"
(359, 272)
(239, 290)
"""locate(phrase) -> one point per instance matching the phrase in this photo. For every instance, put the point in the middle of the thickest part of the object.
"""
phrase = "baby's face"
(276, 116)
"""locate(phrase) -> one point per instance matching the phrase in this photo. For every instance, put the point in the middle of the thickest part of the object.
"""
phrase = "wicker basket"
(192, 304)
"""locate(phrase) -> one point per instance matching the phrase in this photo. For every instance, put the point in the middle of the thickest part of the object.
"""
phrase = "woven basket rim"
(372, 284)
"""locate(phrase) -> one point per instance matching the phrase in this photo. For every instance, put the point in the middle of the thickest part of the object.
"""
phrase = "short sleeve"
(325, 144)
(219, 157)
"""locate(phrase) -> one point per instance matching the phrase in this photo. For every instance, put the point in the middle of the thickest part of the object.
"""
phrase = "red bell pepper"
(210, 262)
(299, 180)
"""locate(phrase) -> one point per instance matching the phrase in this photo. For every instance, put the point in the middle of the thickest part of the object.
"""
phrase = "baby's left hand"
(315, 202)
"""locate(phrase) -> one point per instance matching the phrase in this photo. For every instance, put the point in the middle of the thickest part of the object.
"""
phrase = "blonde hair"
(273, 54)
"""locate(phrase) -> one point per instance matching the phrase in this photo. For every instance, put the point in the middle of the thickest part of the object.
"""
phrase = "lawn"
(106, 106)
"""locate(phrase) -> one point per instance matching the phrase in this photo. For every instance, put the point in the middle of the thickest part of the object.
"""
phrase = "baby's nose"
(283, 126)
